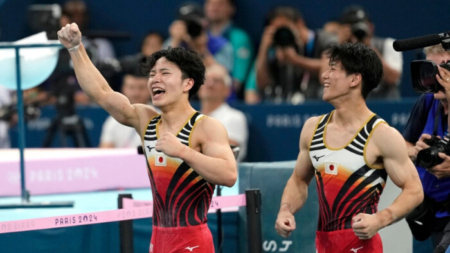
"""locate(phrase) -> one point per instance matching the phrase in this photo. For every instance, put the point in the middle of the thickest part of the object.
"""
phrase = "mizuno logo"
(149, 148)
(191, 248)
(318, 157)
(356, 250)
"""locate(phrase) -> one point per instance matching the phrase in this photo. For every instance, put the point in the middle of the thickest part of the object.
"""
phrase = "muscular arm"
(296, 190)
(401, 171)
(93, 83)
(96, 87)
(216, 162)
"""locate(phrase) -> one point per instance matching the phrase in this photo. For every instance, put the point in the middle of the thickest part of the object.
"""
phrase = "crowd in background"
(285, 68)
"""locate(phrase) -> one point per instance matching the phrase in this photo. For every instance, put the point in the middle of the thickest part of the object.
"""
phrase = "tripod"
(67, 126)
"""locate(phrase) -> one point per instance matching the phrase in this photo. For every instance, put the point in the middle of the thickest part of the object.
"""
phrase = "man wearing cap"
(189, 31)
(356, 27)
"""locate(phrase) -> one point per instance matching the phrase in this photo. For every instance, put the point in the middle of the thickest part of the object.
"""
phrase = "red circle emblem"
(331, 167)
(161, 159)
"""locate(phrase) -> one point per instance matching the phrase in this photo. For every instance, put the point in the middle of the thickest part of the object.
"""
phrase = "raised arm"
(93, 83)
(296, 190)
(402, 172)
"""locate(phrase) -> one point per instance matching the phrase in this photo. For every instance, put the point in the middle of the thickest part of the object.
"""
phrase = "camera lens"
(427, 158)
(360, 30)
(284, 37)
(426, 75)
(423, 75)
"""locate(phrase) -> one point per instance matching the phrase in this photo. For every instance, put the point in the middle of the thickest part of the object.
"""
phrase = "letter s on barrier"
(270, 246)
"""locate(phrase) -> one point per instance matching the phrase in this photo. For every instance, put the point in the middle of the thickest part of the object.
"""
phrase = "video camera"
(423, 75)
(45, 17)
(429, 157)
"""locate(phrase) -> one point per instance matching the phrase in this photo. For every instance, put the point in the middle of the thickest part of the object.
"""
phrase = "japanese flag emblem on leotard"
(331, 168)
(161, 159)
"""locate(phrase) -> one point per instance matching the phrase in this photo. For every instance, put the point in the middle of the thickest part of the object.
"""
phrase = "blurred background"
(119, 35)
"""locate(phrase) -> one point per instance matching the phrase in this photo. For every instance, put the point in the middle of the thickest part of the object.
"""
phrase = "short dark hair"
(283, 11)
(188, 62)
(359, 58)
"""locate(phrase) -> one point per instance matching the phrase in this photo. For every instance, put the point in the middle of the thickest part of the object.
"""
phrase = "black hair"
(359, 58)
(189, 62)
(283, 11)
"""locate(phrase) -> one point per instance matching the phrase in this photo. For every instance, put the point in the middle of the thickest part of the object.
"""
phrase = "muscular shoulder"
(308, 130)
(209, 126)
(145, 113)
(208, 130)
(387, 139)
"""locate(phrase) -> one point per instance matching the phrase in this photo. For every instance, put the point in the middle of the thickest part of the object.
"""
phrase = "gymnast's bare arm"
(96, 87)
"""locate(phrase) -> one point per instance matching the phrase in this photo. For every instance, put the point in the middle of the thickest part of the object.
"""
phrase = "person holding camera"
(190, 31)
(350, 151)
(357, 27)
(426, 136)
(289, 57)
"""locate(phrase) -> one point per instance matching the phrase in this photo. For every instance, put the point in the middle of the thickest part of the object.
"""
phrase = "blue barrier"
(274, 130)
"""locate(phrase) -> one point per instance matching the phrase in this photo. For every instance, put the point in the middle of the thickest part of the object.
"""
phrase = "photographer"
(289, 57)
(356, 26)
(189, 31)
(428, 118)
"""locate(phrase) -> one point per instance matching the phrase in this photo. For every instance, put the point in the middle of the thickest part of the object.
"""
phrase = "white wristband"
(75, 48)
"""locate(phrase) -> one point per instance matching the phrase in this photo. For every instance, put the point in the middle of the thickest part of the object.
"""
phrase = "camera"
(423, 75)
(284, 37)
(193, 26)
(429, 157)
(31, 112)
(192, 15)
(43, 17)
(357, 18)
(360, 30)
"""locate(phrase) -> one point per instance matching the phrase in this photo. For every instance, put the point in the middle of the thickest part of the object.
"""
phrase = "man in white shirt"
(116, 135)
(213, 95)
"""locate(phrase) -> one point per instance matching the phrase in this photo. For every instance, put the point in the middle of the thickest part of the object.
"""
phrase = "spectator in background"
(357, 26)
(116, 135)
(189, 31)
(290, 57)
(213, 95)
(5, 102)
(100, 49)
(219, 14)
(151, 43)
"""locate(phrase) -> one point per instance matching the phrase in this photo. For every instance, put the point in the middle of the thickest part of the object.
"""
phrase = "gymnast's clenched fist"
(70, 36)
